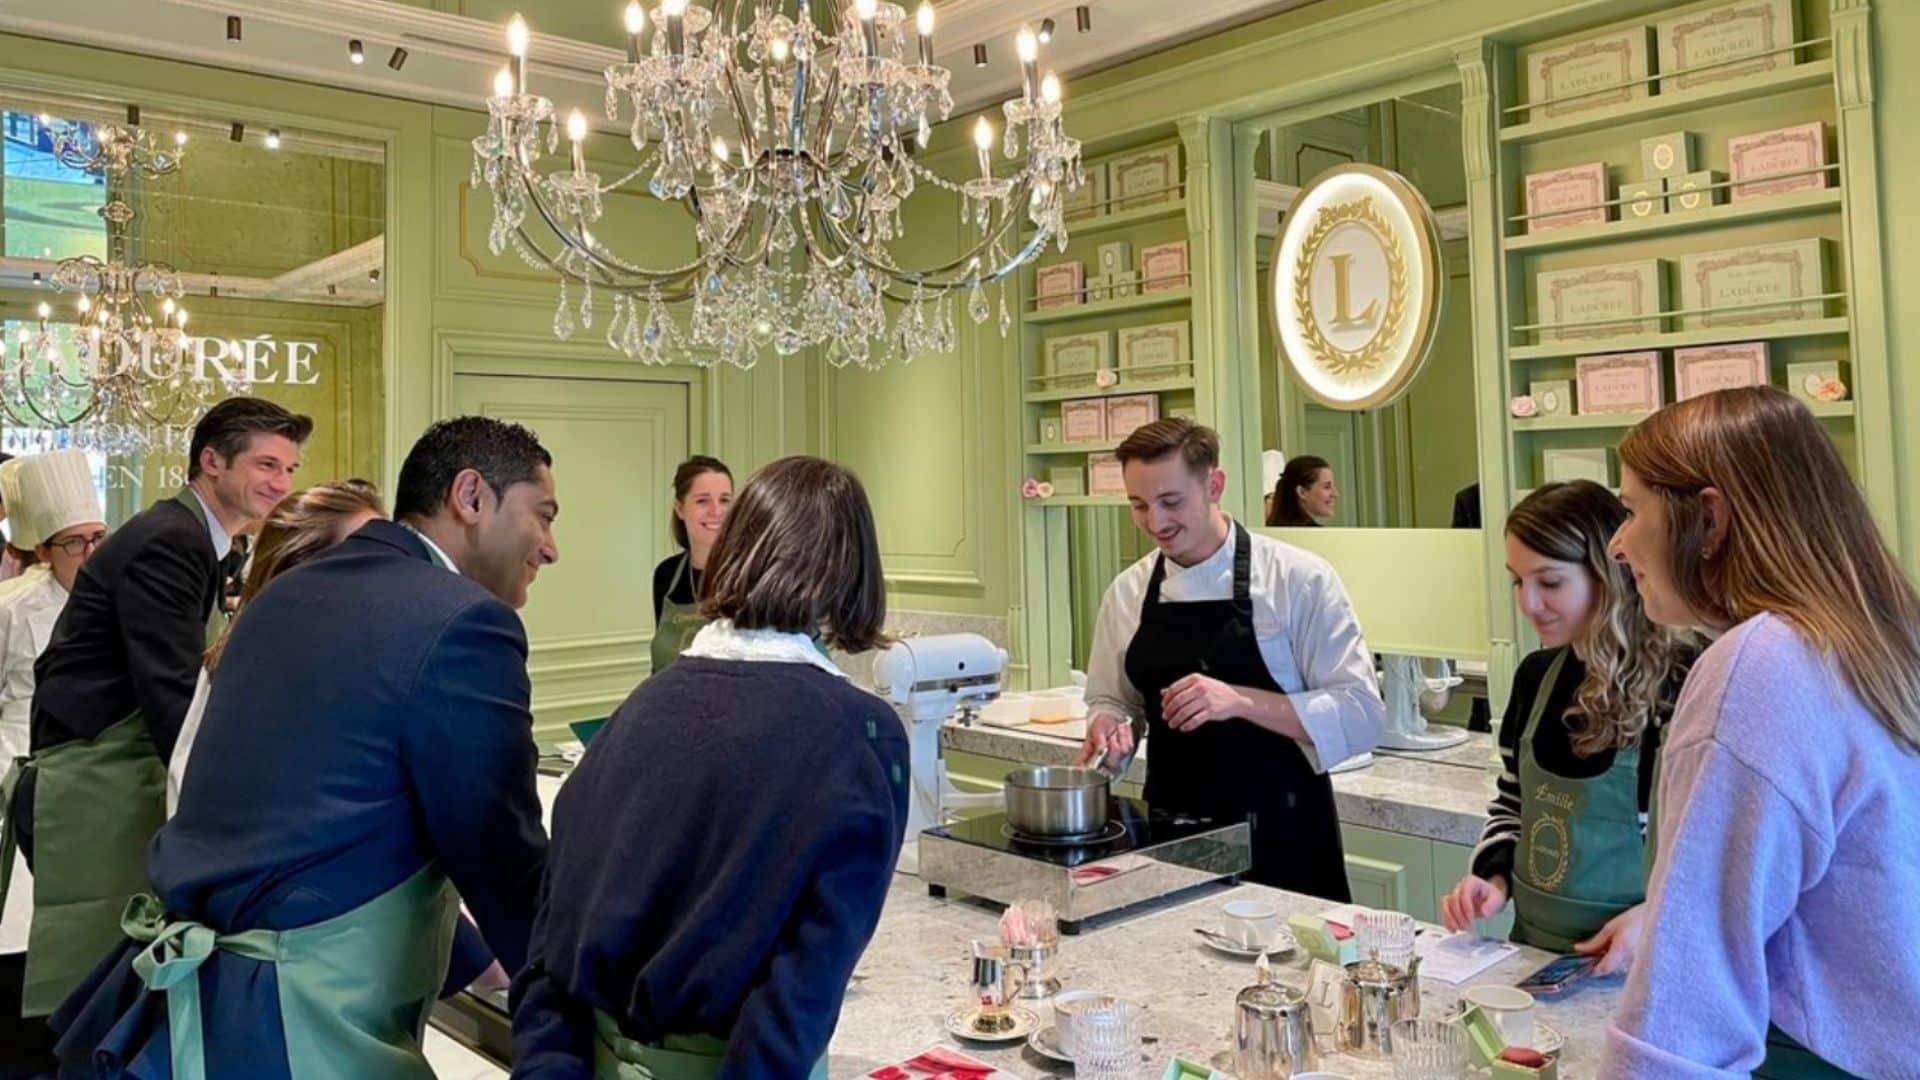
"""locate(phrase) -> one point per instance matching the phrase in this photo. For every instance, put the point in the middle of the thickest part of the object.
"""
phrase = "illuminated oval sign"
(1357, 287)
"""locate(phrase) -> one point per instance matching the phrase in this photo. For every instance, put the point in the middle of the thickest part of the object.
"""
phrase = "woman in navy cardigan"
(721, 854)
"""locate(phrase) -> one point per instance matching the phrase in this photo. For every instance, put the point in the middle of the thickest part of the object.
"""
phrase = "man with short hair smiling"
(365, 763)
(1242, 657)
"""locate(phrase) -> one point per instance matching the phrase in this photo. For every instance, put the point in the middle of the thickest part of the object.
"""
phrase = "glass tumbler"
(1386, 936)
(1106, 1043)
(1429, 1050)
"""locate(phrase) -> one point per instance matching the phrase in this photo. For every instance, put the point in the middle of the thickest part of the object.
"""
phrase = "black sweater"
(665, 589)
(1553, 749)
(719, 861)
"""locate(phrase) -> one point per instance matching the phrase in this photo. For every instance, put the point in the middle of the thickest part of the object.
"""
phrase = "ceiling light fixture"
(398, 60)
(1046, 31)
(355, 52)
(273, 138)
(233, 28)
(979, 56)
(1083, 18)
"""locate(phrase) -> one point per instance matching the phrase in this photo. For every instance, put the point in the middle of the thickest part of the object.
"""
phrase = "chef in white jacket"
(15, 562)
(54, 508)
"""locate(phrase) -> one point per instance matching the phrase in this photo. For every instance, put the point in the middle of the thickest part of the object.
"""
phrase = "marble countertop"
(914, 974)
(1441, 795)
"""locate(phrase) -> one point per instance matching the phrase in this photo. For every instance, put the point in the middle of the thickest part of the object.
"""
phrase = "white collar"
(719, 640)
(440, 557)
(1221, 554)
(222, 543)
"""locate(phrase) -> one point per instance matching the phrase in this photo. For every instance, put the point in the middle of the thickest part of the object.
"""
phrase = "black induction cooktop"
(1132, 826)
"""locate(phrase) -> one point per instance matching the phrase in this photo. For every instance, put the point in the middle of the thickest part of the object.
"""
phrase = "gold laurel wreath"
(1338, 361)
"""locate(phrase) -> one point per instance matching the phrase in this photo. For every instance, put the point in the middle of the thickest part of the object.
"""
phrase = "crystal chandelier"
(124, 381)
(788, 135)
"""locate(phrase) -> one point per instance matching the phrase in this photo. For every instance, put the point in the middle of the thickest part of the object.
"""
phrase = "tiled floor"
(451, 1061)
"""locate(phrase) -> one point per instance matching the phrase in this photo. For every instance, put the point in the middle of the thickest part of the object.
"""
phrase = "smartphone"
(1559, 974)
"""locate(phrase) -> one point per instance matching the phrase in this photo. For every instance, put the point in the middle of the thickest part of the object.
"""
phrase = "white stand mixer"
(928, 680)
(1412, 687)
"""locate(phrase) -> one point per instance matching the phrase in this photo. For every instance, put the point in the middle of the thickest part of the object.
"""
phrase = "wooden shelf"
(1079, 500)
(1040, 396)
(1068, 449)
(1680, 339)
(1780, 206)
(1141, 302)
(1797, 77)
(1589, 422)
(1120, 219)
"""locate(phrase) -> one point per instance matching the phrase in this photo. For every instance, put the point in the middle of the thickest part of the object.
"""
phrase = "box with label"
(1162, 352)
(1059, 285)
(1073, 361)
(1128, 412)
(1795, 157)
(1818, 382)
(1573, 75)
(1695, 191)
(1562, 198)
(1144, 177)
(1552, 397)
(1124, 285)
(1564, 466)
(1598, 302)
(1618, 382)
(1642, 199)
(1099, 287)
(1737, 286)
(1067, 479)
(1700, 46)
(1662, 156)
(1706, 368)
(1114, 258)
(1090, 198)
(1104, 475)
(1163, 267)
(1050, 431)
(1083, 421)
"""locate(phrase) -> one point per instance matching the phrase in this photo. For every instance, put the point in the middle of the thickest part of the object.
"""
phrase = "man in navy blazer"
(368, 728)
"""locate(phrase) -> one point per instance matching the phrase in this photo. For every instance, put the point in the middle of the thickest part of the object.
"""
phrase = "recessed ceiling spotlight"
(979, 56)
(233, 28)
(355, 52)
(238, 132)
(398, 60)
(133, 116)
(1046, 31)
(1083, 18)
(273, 138)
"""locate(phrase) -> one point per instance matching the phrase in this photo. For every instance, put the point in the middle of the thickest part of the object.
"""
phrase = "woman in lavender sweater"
(1781, 937)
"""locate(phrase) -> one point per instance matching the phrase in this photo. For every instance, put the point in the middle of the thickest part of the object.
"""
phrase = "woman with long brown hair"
(301, 526)
(1779, 937)
(1305, 495)
(1564, 840)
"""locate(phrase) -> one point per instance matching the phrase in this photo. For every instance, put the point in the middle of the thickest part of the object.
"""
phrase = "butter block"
(1484, 1042)
(1695, 191)
(1641, 199)
(1535, 1067)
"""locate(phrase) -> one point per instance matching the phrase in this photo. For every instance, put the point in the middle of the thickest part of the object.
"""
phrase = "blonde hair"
(299, 527)
(1800, 544)
(1628, 658)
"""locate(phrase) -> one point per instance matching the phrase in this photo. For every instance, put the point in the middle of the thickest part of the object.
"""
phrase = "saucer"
(1280, 948)
(960, 1025)
(1046, 1043)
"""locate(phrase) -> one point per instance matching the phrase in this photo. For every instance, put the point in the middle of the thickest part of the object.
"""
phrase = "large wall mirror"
(275, 237)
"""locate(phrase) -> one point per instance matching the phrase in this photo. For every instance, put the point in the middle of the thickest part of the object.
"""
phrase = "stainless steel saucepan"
(1057, 801)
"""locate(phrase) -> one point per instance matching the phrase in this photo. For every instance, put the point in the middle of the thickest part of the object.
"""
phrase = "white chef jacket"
(1304, 626)
(27, 616)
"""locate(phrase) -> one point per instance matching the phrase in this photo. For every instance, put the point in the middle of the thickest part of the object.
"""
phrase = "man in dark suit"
(366, 750)
(114, 683)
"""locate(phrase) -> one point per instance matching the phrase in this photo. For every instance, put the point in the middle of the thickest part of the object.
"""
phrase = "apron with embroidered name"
(678, 623)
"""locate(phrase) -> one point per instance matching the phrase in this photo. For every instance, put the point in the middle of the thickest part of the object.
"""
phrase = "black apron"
(1233, 769)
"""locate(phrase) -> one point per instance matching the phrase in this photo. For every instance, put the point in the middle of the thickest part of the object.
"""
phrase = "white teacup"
(1510, 1009)
(1066, 1010)
(1250, 924)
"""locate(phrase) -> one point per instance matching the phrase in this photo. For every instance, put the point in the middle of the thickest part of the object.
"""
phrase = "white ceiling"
(451, 58)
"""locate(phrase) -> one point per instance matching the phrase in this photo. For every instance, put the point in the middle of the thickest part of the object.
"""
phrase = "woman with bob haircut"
(1778, 937)
(721, 854)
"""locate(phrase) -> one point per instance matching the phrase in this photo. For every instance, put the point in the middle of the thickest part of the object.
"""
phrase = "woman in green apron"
(1579, 746)
(702, 494)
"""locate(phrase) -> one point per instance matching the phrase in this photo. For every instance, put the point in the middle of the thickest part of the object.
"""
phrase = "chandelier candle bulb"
(868, 11)
(923, 21)
(636, 26)
(517, 48)
(1050, 89)
(502, 84)
(577, 135)
(983, 141)
(1029, 49)
(675, 11)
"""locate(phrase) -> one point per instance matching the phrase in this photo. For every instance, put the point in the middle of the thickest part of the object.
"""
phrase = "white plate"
(960, 1026)
(1283, 946)
(1046, 1043)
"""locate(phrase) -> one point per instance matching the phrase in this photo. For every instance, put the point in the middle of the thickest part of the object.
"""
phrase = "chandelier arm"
(608, 263)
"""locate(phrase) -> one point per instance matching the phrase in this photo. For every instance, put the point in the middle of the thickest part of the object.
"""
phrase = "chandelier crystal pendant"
(788, 134)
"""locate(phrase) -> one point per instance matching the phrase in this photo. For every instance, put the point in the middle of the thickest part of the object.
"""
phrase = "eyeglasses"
(80, 545)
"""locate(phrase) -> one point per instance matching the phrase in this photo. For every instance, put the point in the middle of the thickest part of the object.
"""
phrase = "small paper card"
(1059, 285)
(1595, 71)
(1104, 475)
(1130, 411)
(1083, 421)
(1455, 958)
(1144, 177)
(940, 1061)
(1163, 267)
(1795, 155)
(1579, 192)
(1706, 368)
(1618, 382)
(1697, 44)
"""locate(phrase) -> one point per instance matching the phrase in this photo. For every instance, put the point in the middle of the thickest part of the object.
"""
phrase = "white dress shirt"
(216, 532)
(1304, 626)
(26, 623)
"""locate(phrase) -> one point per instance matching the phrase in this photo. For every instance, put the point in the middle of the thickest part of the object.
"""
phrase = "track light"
(238, 132)
(398, 60)
(1046, 31)
(273, 138)
(979, 56)
(355, 52)
(1083, 18)
(233, 28)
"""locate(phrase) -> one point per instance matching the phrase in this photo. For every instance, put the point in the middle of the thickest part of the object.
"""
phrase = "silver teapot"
(1376, 996)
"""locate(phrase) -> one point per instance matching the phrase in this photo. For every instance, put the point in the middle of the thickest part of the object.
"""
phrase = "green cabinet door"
(1390, 871)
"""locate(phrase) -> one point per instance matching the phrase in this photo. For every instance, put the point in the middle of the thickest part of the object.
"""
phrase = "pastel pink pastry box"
(1795, 156)
(1562, 198)
(1703, 369)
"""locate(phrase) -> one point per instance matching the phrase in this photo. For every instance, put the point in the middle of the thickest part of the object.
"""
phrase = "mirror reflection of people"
(1580, 744)
(1778, 938)
(702, 494)
(1242, 656)
(15, 560)
(720, 943)
(1305, 495)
